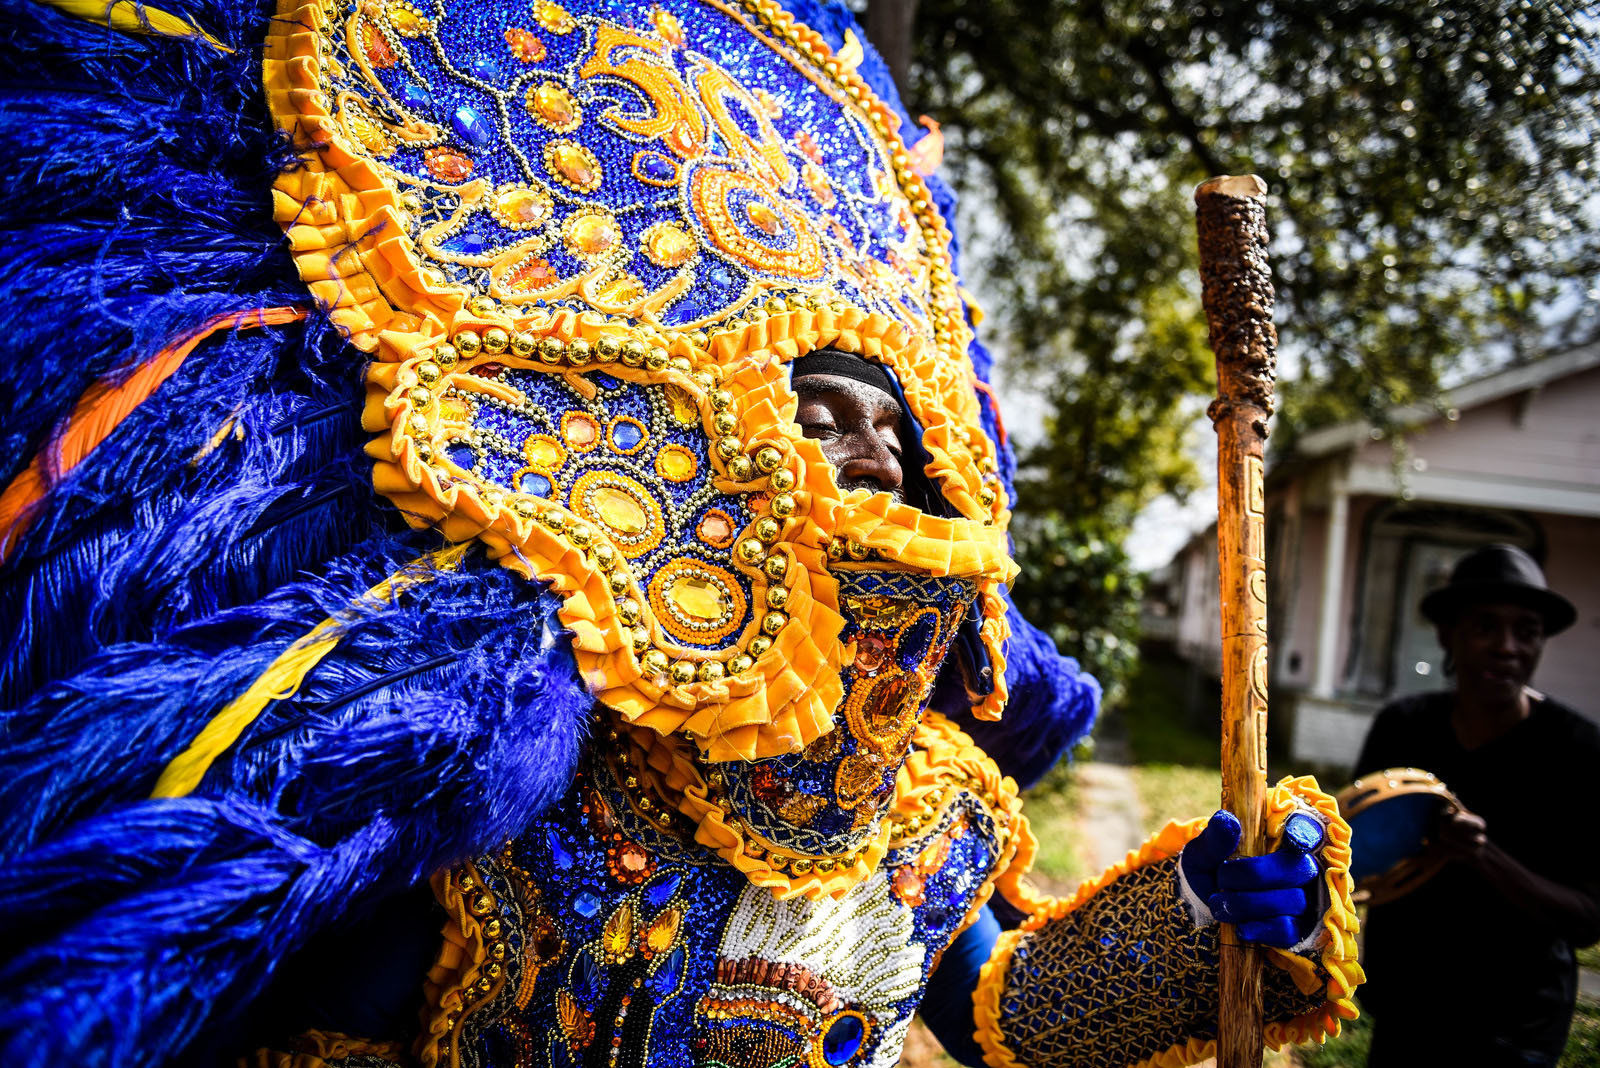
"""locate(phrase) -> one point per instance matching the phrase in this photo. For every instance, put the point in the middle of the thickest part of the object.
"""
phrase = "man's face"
(858, 427)
(1495, 648)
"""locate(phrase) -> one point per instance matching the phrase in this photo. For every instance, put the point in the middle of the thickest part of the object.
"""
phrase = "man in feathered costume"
(504, 558)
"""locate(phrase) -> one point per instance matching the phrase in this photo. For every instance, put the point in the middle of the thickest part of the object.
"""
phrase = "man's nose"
(865, 457)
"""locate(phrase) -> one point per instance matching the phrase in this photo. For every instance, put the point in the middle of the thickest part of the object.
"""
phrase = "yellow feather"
(130, 17)
(282, 678)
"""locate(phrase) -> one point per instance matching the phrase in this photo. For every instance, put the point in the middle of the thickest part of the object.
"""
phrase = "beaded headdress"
(583, 248)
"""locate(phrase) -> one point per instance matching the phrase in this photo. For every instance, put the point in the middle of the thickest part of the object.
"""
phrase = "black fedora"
(1499, 574)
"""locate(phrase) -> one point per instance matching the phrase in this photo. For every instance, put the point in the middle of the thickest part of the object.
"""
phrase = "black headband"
(845, 365)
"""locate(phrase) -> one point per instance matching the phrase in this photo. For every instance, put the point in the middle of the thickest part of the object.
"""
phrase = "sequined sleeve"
(1120, 974)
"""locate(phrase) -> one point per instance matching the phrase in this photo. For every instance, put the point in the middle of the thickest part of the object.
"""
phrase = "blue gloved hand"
(1275, 900)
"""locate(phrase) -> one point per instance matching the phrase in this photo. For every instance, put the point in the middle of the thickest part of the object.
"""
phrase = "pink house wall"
(1570, 669)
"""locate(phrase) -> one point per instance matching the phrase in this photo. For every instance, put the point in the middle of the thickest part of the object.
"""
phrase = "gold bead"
(777, 597)
(782, 480)
(721, 400)
(728, 448)
(741, 468)
(428, 372)
(800, 865)
(551, 349)
(629, 610)
(420, 397)
(711, 671)
(776, 305)
(446, 355)
(655, 661)
(607, 348)
(768, 459)
(856, 550)
(752, 551)
(641, 639)
(740, 664)
(495, 340)
(759, 645)
(682, 672)
(418, 423)
(824, 865)
(480, 305)
(656, 359)
(773, 622)
(581, 534)
(633, 352)
(411, 202)
(986, 497)
(617, 582)
(579, 352)
(836, 549)
(699, 339)
(776, 565)
(554, 519)
(680, 364)
(468, 343)
(522, 345)
(524, 507)
(782, 504)
(705, 380)
(724, 422)
(605, 556)
(768, 529)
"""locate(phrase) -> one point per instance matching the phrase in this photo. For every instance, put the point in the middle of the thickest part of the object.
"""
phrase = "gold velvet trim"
(315, 1049)
(467, 975)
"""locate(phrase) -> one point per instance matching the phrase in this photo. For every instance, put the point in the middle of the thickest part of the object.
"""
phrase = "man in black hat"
(1477, 966)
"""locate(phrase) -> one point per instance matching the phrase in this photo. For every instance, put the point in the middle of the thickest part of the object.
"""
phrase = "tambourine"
(1393, 815)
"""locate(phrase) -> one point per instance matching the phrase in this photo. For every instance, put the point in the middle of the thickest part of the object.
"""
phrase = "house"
(1361, 524)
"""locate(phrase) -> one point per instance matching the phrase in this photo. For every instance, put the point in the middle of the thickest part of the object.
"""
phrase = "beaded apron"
(599, 939)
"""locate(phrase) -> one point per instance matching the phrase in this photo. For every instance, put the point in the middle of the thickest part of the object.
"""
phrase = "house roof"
(1504, 383)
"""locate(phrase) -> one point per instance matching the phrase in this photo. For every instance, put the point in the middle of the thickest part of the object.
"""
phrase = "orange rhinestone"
(529, 276)
(448, 165)
(592, 234)
(524, 45)
(763, 216)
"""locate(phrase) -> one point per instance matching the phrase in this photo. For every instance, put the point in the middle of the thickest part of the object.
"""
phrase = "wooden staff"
(1236, 289)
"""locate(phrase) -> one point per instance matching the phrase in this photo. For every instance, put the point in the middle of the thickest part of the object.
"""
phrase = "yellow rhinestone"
(575, 165)
(683, 406)
(698, 596)
(620, 511)
(677, 465)
(553, 104)
(592, 234)
(668, 246)
(521, 207)
(544, 454)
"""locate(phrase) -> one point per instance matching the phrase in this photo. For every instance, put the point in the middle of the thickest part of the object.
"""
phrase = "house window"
(1408, 550)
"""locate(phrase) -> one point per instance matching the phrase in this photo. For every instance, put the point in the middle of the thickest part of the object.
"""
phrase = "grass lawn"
(1054, 808)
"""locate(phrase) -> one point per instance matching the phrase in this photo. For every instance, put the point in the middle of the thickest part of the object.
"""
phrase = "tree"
(1432, 171)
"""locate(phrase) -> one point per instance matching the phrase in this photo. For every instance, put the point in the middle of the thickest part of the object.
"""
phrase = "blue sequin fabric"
(616, 943)
(668, 157)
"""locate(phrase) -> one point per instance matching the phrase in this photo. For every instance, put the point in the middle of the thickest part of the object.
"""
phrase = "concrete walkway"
(1111, 822)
